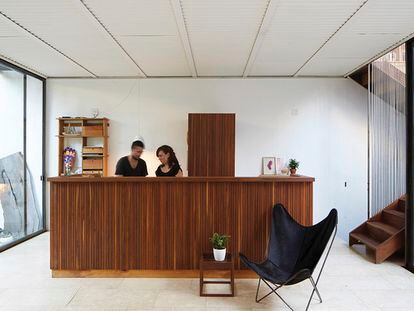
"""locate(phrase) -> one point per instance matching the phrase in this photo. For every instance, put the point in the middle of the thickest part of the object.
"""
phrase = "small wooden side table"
(207, 262)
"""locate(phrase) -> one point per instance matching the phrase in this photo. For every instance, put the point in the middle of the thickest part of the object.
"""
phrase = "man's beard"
(135, 158)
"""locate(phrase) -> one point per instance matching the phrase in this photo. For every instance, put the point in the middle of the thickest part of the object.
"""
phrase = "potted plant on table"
(219, 242)
(293, 166)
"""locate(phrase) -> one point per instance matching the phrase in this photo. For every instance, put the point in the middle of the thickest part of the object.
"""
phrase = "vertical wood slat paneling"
(221, 214)
(159, 225)
(211, 144)
(257, 200)
(55, 246)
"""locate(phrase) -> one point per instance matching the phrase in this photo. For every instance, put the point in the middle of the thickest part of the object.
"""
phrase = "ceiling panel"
(222, 33)
(69, 27)
(148, 31)
(21, 47)
(298, 28)
(373, 29)
(103, 38)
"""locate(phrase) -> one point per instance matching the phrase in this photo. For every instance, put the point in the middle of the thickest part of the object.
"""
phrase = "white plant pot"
(219, 254)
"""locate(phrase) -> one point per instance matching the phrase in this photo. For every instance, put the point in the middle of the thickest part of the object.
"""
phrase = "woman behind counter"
(169, 163)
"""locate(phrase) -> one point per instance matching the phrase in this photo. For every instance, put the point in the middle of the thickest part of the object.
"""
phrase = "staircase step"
(393, 218)
(365, 239)
(401, 205)
(388, 229)
(383, 233)
(395, 212)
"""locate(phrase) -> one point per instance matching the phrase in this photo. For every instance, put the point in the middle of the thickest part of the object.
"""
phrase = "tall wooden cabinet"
(89, 137)
(211, 144)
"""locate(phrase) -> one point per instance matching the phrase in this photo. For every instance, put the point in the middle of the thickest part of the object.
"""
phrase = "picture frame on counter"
(269, 166)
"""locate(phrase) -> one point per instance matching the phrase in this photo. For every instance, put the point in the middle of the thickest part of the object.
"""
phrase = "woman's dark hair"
(137, 143)
(172, 158)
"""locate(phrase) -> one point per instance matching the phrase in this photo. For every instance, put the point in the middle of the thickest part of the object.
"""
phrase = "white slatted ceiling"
(298, 29)
(222, 33)
(377, 26)
(148, 31)
(68, 26)
(19, 46)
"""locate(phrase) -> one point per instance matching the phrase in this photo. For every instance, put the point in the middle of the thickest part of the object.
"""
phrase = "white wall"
(321, 122)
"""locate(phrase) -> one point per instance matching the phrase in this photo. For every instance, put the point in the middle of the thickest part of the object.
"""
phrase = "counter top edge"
(180, 179)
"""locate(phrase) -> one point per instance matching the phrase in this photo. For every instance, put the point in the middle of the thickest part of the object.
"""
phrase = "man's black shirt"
(124, 168)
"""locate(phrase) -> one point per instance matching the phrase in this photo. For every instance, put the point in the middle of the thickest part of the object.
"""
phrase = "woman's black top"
(172, 172)
(124, 168)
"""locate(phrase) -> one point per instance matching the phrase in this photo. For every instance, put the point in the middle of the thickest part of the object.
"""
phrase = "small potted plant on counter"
(293, 166)
(219, 242)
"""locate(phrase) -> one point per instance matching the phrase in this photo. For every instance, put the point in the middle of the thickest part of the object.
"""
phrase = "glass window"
(21, 154)
(34, 155)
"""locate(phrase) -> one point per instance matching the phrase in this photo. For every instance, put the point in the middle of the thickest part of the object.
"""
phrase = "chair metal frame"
(314, 284)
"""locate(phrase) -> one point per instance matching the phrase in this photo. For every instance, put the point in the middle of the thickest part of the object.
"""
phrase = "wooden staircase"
(384, 232)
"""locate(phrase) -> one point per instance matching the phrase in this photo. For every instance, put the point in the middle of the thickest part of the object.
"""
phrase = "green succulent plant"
(293, 164)
(219, 241)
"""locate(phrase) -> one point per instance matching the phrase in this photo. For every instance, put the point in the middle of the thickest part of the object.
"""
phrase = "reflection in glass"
(15, 221)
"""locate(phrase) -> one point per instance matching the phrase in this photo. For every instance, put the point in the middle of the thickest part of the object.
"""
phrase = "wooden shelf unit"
(94, 159)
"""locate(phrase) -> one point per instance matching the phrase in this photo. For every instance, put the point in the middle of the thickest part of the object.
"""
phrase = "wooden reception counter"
(147, 226)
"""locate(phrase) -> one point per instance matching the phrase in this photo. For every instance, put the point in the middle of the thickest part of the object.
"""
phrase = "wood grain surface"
(211, 144)
(164, 224)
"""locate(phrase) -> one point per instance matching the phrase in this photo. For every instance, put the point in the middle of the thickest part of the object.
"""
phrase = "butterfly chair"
(293, 252)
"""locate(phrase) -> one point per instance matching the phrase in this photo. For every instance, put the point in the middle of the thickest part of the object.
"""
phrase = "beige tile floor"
(350, 282)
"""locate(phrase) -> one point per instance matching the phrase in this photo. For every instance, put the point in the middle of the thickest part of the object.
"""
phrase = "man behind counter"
(132, 165)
